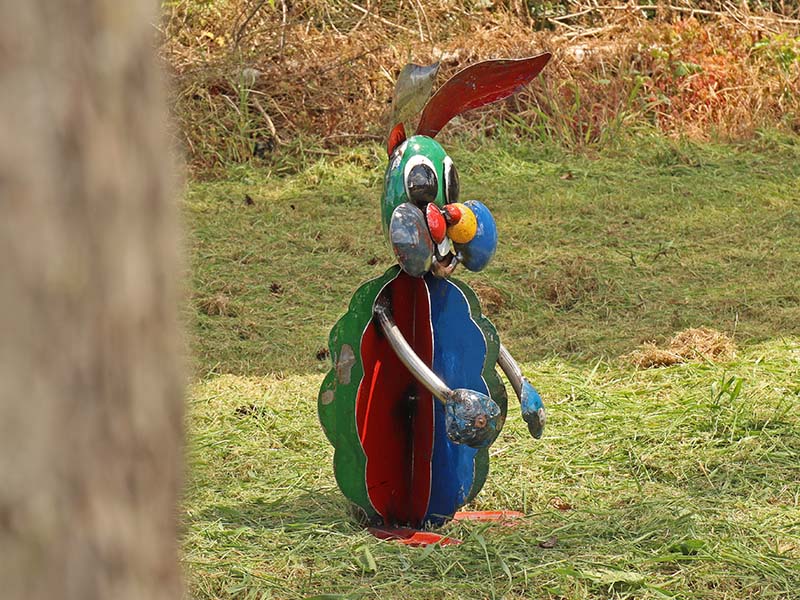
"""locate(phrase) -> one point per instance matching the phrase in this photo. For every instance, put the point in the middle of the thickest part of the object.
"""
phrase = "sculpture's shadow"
(292, 511)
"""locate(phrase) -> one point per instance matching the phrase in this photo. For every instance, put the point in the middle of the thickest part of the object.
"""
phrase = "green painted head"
(419, 172)
(427, 228)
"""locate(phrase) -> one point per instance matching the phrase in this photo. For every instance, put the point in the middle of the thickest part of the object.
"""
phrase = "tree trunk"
(90, 382)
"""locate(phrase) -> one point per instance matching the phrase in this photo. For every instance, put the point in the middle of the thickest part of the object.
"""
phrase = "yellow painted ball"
(464, 230)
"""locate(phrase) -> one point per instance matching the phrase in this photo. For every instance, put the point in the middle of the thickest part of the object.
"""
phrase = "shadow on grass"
(310, 508)
(576, 530)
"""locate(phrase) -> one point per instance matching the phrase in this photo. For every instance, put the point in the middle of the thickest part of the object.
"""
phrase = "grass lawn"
(680, 482)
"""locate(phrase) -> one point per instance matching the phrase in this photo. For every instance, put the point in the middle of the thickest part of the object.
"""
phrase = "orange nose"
(452, 213)
(465, 229)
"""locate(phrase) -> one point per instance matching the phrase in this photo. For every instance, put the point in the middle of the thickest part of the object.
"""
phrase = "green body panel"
(497, 389)
(394, 191)
(336, 403)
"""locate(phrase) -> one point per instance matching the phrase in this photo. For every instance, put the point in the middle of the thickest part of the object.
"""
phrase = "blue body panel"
(459, 352)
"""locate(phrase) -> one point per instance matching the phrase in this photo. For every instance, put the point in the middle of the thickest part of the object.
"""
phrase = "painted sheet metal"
(394, 413)
(337, 396)
(490, 376)
(459, 349)
(415, 474)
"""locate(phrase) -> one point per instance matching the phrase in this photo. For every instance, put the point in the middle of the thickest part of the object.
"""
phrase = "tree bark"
(90, 378)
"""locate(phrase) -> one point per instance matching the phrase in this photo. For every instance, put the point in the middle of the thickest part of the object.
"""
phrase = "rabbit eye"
(421, 183)
(451, 185)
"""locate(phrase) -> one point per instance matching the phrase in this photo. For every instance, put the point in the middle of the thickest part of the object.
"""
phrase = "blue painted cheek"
(476, 254)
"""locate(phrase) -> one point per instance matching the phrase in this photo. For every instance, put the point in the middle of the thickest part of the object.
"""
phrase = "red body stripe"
(376, 373)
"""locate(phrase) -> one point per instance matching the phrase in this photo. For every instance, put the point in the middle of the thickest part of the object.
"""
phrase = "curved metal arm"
(407, 356)
(511, 369)
(471, 417)
(530, 402)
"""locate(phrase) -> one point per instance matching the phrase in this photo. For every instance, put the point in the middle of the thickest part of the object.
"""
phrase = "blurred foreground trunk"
(90, 384)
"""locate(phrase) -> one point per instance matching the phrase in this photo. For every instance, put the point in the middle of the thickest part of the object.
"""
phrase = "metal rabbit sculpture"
(414, 399)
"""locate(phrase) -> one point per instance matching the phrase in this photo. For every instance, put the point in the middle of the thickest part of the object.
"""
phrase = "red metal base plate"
(489, 516)
(412, 537)
(420, 539)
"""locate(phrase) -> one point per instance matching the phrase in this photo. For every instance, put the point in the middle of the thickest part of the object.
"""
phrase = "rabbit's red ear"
(476, 86)
(396, 137)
